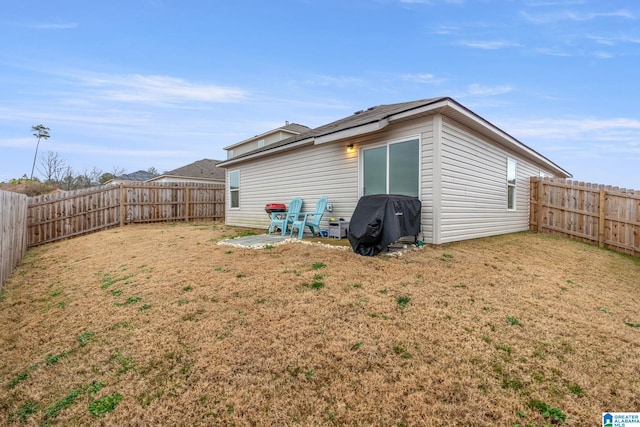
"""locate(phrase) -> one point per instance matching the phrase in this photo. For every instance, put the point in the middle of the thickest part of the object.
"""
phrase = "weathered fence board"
(13, 231)
(54, 217)
(604, 215)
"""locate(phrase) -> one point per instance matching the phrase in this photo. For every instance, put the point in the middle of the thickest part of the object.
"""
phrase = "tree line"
(55, 171)
(58, 174)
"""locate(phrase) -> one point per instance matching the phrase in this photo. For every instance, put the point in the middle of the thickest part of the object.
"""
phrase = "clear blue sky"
(140, 83)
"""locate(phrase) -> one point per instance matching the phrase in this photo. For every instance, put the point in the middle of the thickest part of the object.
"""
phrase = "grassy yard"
(161, 325)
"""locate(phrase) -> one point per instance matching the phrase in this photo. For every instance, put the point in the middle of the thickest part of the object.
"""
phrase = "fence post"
(601, 217)
(122, 204)
(13, 231)
(540, 196)
(187, 195)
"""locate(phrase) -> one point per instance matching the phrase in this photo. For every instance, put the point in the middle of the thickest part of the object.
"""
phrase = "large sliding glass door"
(374, 179)
(392, 169)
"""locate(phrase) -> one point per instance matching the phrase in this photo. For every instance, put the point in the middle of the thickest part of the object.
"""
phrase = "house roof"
(204, 169)
(376, 118)
(291, 128)
(136, 176)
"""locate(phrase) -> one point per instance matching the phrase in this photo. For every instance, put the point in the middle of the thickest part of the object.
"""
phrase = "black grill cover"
(382, 219)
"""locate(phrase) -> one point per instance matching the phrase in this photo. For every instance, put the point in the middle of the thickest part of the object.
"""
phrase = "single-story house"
(202, 171)
(138, 176)
(471, 177)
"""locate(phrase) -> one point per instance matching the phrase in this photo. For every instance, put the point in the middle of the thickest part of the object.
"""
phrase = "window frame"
(236, 190)
(387, 145)
(512, 187)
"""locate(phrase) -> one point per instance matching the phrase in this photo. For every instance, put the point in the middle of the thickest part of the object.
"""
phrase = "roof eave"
(425, 109)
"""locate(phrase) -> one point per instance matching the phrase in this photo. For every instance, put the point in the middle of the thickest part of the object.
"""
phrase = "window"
(392, 169)
(261, 143)
(234, 188)
(229, 154)
(511, 184)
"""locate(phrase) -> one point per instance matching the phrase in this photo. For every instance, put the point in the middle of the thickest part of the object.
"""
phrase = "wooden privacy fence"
(604, 215)
(13, 231)
(54, 217)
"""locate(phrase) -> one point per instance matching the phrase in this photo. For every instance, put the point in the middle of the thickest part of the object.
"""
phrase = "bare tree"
(116, 171)
(51, 166)
(94, 175)
(88, 178)
(40, 132)
(67, 178)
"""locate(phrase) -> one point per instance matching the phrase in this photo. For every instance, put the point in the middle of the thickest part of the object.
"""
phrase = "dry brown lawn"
(161, 325)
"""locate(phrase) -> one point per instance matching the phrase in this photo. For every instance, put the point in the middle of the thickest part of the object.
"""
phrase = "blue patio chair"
(311, 220)
(282, 220)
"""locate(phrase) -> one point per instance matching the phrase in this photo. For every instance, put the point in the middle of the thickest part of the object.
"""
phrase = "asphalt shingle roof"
(380, 113)
(137, 176)
(204, 169)
(359, 118)
(295, 127)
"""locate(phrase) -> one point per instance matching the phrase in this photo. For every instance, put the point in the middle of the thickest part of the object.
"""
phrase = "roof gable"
(376, 118)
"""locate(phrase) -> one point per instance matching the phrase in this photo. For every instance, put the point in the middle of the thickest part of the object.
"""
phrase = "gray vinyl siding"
(426, 189)
(474, 187)
(308, 172)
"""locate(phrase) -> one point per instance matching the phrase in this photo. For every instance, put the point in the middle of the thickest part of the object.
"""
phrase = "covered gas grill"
(382, 219)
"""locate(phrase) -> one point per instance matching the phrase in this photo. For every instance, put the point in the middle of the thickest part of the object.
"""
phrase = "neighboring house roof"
(204, 169)
(377, 118)
(295, 128)
(290, 128)
(135, 176)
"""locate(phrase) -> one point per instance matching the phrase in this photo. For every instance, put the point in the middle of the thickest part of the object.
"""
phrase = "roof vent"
(358, 112)
(371, 108)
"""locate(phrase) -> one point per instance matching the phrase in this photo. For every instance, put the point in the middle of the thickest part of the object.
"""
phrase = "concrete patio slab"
(257, 242)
